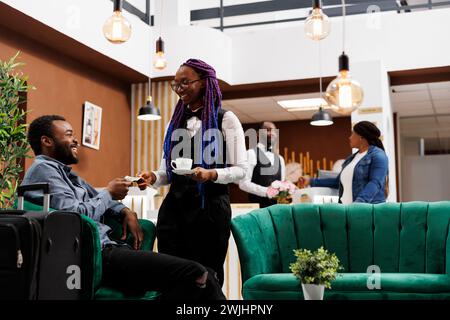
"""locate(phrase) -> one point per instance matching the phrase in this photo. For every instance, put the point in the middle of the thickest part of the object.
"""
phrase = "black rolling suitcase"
(19, 256)
(58, 273)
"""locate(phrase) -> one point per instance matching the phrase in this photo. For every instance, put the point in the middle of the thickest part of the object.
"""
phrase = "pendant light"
(149, 112)
(344, 94)
(317, 25)
(321, 118)
(117, 29)
(159, 61)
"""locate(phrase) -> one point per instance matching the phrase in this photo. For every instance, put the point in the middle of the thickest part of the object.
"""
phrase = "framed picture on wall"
(92, 124)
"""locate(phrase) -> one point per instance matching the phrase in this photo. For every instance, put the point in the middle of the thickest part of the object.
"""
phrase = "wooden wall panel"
(148, 136)
(62, 86)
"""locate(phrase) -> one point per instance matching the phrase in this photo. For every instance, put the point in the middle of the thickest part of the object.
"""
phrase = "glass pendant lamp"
(117, 29)
(317, 25)
(344, 94)
(159, 62)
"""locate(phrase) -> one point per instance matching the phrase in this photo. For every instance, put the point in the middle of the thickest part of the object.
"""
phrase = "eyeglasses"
(183, 84)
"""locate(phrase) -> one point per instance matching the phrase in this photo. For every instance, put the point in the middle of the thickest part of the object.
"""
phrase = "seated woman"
(363, 177)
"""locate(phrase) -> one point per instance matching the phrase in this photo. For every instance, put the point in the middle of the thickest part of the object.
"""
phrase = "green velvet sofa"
(408, 241)
(91, 269)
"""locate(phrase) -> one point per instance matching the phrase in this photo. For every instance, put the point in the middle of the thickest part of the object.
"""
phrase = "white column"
(377, 108)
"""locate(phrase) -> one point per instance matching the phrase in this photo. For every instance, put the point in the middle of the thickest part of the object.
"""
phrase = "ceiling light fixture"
(317, 25)
(149, 112)
(117, 29)
(302, 104)
(343, 93)
(160, 62)
(321, 118)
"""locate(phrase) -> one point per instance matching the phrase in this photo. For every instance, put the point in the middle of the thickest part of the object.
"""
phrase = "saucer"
(183, 171)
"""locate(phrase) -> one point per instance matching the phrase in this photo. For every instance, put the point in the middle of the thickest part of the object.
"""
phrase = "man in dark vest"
(264, 166)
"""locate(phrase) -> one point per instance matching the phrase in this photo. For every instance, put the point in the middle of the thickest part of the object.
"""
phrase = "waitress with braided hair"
(363, 177)
(194, 218)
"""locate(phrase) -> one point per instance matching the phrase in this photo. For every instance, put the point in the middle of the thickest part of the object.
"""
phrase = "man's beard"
(269, 145)
(64, 155)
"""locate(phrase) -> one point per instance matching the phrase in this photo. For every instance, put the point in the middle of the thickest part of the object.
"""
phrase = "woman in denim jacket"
(364, 174)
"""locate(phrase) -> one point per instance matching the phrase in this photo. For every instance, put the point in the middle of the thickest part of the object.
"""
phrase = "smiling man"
(56, 148)
(124, 267)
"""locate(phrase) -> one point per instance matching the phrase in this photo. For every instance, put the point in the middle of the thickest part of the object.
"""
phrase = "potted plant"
(315, 270)
(282, 191)
(13, 139)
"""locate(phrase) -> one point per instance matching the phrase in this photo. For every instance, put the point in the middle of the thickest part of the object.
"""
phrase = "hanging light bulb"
(343, 94)
(317, 25)
(117, 29)
(159, 62)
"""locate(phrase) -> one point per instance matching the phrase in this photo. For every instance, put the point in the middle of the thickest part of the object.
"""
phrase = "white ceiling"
(421, 99)
(424, 112)
(266, 108)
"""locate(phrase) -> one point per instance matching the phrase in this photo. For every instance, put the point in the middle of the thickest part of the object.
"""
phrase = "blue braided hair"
(212, 102)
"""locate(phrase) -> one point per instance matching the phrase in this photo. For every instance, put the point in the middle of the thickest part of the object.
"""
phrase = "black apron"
(186, 230)
(264, 180)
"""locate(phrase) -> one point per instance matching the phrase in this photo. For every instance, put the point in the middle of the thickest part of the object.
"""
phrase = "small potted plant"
(315, 270)
(282, 191)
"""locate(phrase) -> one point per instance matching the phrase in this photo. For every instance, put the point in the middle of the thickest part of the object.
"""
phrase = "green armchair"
(409, 242)
(91, 268)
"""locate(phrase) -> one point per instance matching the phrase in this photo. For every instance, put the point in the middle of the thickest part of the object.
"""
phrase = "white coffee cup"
(181, 163)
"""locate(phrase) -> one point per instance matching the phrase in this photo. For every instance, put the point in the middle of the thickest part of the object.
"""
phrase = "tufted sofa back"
(409, 237)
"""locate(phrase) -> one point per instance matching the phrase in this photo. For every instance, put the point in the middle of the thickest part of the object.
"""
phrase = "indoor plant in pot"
(13, 138)
(315, 270)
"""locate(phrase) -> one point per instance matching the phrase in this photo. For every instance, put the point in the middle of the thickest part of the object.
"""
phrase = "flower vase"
(284, 200)
(313, 291)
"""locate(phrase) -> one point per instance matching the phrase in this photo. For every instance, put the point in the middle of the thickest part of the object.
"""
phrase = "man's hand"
(202, 175)
(130, 220)
(148, 177)
(118, 188)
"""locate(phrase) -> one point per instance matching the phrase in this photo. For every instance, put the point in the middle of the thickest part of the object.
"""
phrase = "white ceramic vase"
(313, 291)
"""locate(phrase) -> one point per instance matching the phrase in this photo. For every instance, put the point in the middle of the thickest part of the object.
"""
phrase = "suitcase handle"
(45, 187)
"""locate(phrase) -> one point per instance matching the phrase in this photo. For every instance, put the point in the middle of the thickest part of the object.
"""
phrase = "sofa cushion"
(352, 286)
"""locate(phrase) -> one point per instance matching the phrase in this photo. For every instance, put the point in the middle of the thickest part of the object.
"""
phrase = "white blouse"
(347, 178)
(233, 134)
